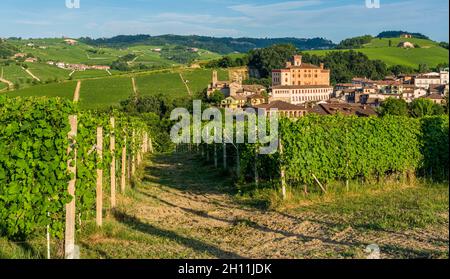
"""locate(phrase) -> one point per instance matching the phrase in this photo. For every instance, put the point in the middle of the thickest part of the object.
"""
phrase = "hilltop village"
(301, 88)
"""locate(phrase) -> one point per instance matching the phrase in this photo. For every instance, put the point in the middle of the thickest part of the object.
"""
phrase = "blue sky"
(332, 19)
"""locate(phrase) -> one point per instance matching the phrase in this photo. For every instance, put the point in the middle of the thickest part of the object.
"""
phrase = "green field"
(45, 72)
(101, 93)
(64, 90)
(16, 74)
(3, 86)
(107, 91)
(167, 84)
(199, 79)
(58, 50)
(91, 74)
(429, 53)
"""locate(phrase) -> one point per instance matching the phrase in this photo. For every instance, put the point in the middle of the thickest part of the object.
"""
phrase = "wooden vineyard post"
(124, 166)
(215, 156)
(69, 237)
(256, 167)
(282, 171)
(145, 143)
(238, 162)
(133, 154)
(112, 146)
(139, 154)
(150, 144)
(99, 192)
(224, 154)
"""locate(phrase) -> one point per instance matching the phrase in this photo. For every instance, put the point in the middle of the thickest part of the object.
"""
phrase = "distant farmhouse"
(406, 45)
(70, 42)
(406, 36)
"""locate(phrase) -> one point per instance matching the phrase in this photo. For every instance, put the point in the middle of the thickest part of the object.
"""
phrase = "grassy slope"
(45, 72)
(64, 90)
(429, 53)
(100, 93)
(15, 74)
(3, 85)
(167, 84)
(199, 79)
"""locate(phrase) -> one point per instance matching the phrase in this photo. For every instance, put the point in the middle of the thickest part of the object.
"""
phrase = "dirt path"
(31, 74)
(135, 90)
(182, 210)
(9, 83)
(185, 84)
(76, 94)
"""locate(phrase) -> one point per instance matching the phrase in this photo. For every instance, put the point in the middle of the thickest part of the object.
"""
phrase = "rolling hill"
(429, 53)
(97, 93)
(221, 45)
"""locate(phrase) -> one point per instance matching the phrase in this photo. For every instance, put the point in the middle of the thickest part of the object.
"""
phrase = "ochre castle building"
(301, 83)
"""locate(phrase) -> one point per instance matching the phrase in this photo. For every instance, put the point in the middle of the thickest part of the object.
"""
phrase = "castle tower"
(297, 60)
(214, 78)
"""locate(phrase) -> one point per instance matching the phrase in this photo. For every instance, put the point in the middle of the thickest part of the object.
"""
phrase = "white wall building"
(425, 80)
(296, 94)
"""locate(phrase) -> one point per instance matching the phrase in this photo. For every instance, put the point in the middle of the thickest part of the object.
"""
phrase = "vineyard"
(54, 160)
(61, 169)
(317, 150)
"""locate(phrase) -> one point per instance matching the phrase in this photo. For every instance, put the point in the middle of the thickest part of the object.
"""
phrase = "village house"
(256, 99)
(436, 98)
(425, 80)
(234, 87)
(19, 55)
(406, 45)
(234, 102)
(441, 89)
(61, 65)
(406, 36)
(70, 42)
(31, 60)
(100, 67)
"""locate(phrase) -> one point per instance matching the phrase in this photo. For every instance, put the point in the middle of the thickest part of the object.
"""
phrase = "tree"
(267, 59)
(421, 107)
(400, 69)
(216, 97)
(423, 68)
(394, 106)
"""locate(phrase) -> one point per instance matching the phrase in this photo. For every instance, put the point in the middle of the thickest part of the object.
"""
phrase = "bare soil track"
(190, 209)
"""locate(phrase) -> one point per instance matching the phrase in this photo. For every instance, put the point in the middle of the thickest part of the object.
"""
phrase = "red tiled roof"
(349, 109)
(280, 105)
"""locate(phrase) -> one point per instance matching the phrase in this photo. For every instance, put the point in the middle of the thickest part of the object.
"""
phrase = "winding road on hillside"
(184, 209)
